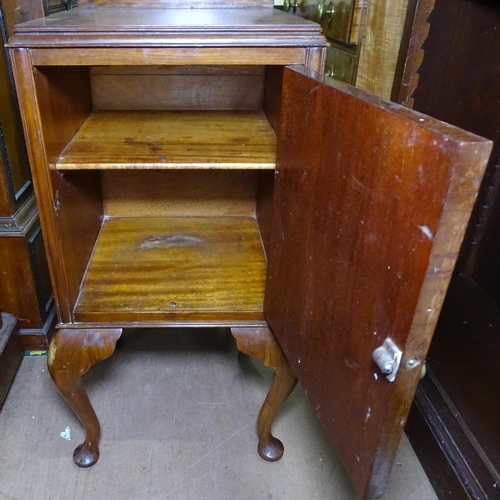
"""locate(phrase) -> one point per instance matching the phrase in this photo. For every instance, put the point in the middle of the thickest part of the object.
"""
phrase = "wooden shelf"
(174, 269)
(171, 139)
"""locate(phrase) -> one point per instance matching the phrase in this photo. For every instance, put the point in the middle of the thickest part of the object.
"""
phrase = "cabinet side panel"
(265, 207)
(55, 101)
(79, 220)
(272, 95)
(64, 103)
(16, 269)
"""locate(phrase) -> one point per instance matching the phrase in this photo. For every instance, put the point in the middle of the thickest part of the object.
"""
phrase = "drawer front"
(341, 64)
(341, 20)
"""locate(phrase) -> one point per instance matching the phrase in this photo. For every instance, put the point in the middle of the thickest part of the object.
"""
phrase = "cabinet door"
(371, 204)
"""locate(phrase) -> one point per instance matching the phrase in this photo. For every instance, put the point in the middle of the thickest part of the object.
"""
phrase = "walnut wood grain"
(71, 353)
(168, 139)
(363, 246)
(174, 268)
(261, 343)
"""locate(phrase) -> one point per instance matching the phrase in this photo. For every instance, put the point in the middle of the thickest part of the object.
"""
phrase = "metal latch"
(388, 358)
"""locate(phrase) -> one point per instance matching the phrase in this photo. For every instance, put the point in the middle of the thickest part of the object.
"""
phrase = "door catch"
(388, 358)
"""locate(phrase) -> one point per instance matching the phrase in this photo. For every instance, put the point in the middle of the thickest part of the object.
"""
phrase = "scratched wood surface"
(187, 268)
(363, 245)
(170, 139)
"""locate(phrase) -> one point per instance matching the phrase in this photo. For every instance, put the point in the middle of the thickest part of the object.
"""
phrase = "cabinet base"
(39, 339)
(11, 353)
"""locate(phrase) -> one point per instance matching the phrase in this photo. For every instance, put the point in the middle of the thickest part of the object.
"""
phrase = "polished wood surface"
(155, 4)
(260, 342)
(264, 29)
(168, 139)
(71, 354)
(168, 21)
(363, 245)
(174, 268)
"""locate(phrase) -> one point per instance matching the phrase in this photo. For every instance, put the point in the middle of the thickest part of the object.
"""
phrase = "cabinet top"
(167, 27)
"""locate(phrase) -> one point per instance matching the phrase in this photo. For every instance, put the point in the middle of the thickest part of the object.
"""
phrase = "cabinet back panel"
(179, 193)
(177, 88)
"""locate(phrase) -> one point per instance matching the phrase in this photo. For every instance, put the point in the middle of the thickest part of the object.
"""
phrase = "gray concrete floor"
(178, 411)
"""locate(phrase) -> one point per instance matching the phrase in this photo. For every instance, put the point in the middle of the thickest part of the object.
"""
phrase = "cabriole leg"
(260, 342)
(71, 353)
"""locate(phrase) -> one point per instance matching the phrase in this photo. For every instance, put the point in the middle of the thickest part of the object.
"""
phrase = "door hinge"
(388, 358)
(57, 202)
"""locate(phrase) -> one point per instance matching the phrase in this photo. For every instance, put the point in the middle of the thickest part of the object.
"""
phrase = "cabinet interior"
(162, 181)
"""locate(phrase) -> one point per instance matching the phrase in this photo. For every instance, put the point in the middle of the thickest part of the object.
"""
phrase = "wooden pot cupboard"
(194, 169)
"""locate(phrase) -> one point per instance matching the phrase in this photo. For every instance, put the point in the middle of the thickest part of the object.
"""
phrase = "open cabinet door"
(371, 205)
